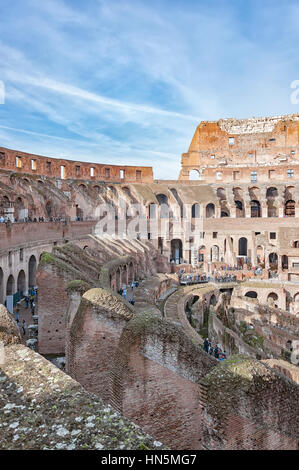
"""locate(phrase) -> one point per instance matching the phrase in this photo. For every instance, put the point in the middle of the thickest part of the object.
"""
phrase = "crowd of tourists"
(128, 294)
(216, 351)
(188, 279)
(30, 299)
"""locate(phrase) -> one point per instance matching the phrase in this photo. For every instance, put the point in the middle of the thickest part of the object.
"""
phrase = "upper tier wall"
(247, 144)
(14, 160)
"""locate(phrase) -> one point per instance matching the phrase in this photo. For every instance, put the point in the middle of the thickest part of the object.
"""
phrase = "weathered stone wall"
(42, 408)
(155, 378)
(51, 167)
(93, 339)
(246, 405)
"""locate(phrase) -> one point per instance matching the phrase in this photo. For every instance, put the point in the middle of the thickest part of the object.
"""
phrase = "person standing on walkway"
(27, 301)
(24, 327)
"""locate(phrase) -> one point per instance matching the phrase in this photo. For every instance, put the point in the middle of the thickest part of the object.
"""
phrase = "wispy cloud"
(128, 81)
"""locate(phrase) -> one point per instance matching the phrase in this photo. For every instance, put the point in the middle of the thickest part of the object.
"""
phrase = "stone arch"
(152, 210)
(260, 254)
(296, 302)
(225, 212)
(49, 209)
(124, 275)
(215, 253)
(289, 208)
(194, 175)
(21, 283)
(221, 194)
(32, 271)
(10, 285)
(239, 209)
(272, 300)
(19, 207)
(271, 195)
(243, 246)
(273, 260)
(285, 262)
(163, 203)
(210, 210)
(118, 278)
(251, 294)
(131, 277)
(195, 211)
(202, 254)
(296, 244)
(213, 300)
(255, 208)
(176, 250)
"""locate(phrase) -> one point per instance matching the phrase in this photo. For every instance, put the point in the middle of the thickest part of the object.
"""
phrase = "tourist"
(206, 345)
(26, 301)
(217, 352)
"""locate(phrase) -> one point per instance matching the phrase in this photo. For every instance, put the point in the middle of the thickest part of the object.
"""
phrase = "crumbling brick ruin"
(216, 256)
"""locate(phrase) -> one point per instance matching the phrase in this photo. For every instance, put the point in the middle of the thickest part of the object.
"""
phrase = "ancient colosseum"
(111, 282)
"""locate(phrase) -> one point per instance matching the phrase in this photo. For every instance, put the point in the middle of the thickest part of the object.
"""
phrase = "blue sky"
(126, 82)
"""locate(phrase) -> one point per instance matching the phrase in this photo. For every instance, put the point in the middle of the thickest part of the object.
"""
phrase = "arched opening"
(152, 211)
(272, 300)
(32, 271)
(202, 254)
(243, 246)
(260, 254)
(117, 276)
(289, 209)
(224, 213)
(285, 262)
(251, 294)
(296, 303)
(163, 203)
(213, 300)
(176, 250)
(215, 254)
(255, 209)
(221, 194)
(131, 272)
(195, 211)
(210, 211)
(273, 260)
(194, 175)
(10, 286)
(21, 283)
(124, 277)
(97, 189)
(239, 209)
(19, 209)
(271, 194)
(49, 209)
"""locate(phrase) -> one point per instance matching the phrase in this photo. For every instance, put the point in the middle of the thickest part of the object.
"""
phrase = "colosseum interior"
(112, 281)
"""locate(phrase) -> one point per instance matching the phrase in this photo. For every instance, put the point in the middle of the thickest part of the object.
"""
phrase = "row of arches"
(18, 283)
